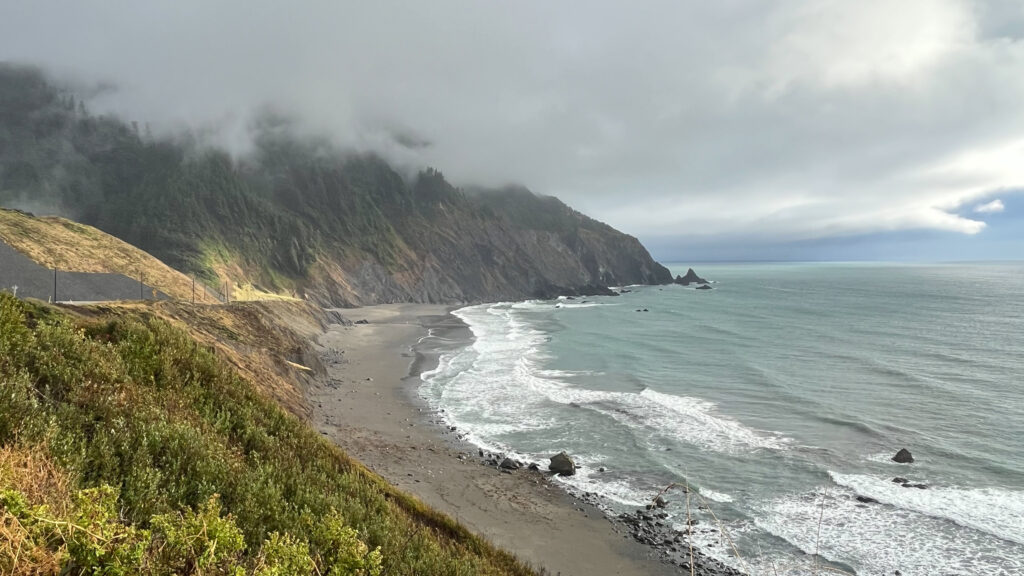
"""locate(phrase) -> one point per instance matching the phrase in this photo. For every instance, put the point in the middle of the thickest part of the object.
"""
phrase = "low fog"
(681, 122)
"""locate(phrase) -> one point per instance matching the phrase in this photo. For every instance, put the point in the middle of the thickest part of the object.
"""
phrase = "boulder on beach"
(690, 278)
(562, 464)
(903, 457)
(509, 464)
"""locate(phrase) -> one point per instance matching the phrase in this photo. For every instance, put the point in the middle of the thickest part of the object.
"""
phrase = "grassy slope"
(74, 247)
(160, 459)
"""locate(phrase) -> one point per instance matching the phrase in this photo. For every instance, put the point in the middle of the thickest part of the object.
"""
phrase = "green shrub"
(200, 542)
(191, 471)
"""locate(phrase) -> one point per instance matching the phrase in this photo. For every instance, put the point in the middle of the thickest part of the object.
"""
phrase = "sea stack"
(690, 278)
(903, 457)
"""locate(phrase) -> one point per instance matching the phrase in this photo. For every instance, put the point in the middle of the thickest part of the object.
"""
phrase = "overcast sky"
(723, 129)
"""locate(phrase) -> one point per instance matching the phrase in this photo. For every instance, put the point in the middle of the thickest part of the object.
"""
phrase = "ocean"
(778, 397)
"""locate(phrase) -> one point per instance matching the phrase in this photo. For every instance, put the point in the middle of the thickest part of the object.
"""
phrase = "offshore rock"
(562, 464)
(903, 457)
(690, 278)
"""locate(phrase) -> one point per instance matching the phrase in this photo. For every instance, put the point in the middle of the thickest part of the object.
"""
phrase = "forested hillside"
(297, 215)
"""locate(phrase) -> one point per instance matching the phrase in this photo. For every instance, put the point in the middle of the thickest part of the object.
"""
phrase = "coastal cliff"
(296, 215)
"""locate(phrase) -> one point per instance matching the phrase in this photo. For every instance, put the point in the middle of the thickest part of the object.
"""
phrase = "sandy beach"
(370, 408)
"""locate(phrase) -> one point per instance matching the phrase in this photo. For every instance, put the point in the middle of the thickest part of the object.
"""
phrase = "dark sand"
(371, 409)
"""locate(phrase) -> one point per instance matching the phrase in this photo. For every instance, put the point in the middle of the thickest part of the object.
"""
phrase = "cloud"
(730, 119)
(994, 207)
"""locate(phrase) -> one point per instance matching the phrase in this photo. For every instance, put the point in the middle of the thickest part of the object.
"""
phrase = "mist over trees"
(293, 208)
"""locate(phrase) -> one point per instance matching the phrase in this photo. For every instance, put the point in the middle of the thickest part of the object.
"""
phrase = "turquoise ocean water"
(779, 396)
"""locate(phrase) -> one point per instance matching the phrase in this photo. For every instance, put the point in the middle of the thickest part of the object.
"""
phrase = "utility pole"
(54, 284)
(193, 289)
(142, 287)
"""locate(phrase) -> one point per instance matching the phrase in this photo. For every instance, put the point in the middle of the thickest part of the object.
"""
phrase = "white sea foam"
(715, 496)
(880, 539)
(499, 385)
(996, 511)
(699, 423)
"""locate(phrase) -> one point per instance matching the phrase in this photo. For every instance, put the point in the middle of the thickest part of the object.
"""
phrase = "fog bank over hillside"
(718, 122)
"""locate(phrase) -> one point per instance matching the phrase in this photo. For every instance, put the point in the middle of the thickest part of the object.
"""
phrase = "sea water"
(778, 397)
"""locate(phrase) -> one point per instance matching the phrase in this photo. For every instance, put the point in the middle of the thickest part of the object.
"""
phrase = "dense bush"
(176, 465)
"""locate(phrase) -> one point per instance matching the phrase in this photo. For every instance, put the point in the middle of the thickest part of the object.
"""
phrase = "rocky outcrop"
(903, 457)
(690, 278)
(562, 464)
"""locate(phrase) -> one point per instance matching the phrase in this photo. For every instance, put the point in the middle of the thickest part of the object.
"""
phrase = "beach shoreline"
(370, 406)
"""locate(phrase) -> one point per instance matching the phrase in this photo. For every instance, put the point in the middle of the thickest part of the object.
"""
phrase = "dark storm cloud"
(730, 119)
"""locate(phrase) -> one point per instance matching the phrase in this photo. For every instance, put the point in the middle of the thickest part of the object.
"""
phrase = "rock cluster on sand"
(654, 529)
(562, 464)
(690, 278)
(903, 457)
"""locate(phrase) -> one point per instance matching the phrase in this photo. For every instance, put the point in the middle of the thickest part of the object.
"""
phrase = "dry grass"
(42, 482)
(250, 293)
(35, 475)
(57, 242)
(61, 243)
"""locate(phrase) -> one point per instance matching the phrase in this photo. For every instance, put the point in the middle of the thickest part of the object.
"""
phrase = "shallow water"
(780, 396)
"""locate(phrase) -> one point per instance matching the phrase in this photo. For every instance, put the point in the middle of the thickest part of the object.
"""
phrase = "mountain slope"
(297, 215)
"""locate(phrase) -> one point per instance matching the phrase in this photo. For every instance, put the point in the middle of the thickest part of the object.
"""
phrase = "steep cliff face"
(298, 216)
(475, 246)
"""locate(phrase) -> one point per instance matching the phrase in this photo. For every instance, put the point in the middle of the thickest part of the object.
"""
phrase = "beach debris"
(903, 457)
(562, 464)
(509, 464)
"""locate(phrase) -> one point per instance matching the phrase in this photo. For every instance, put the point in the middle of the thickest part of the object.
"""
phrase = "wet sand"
(370, 408)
